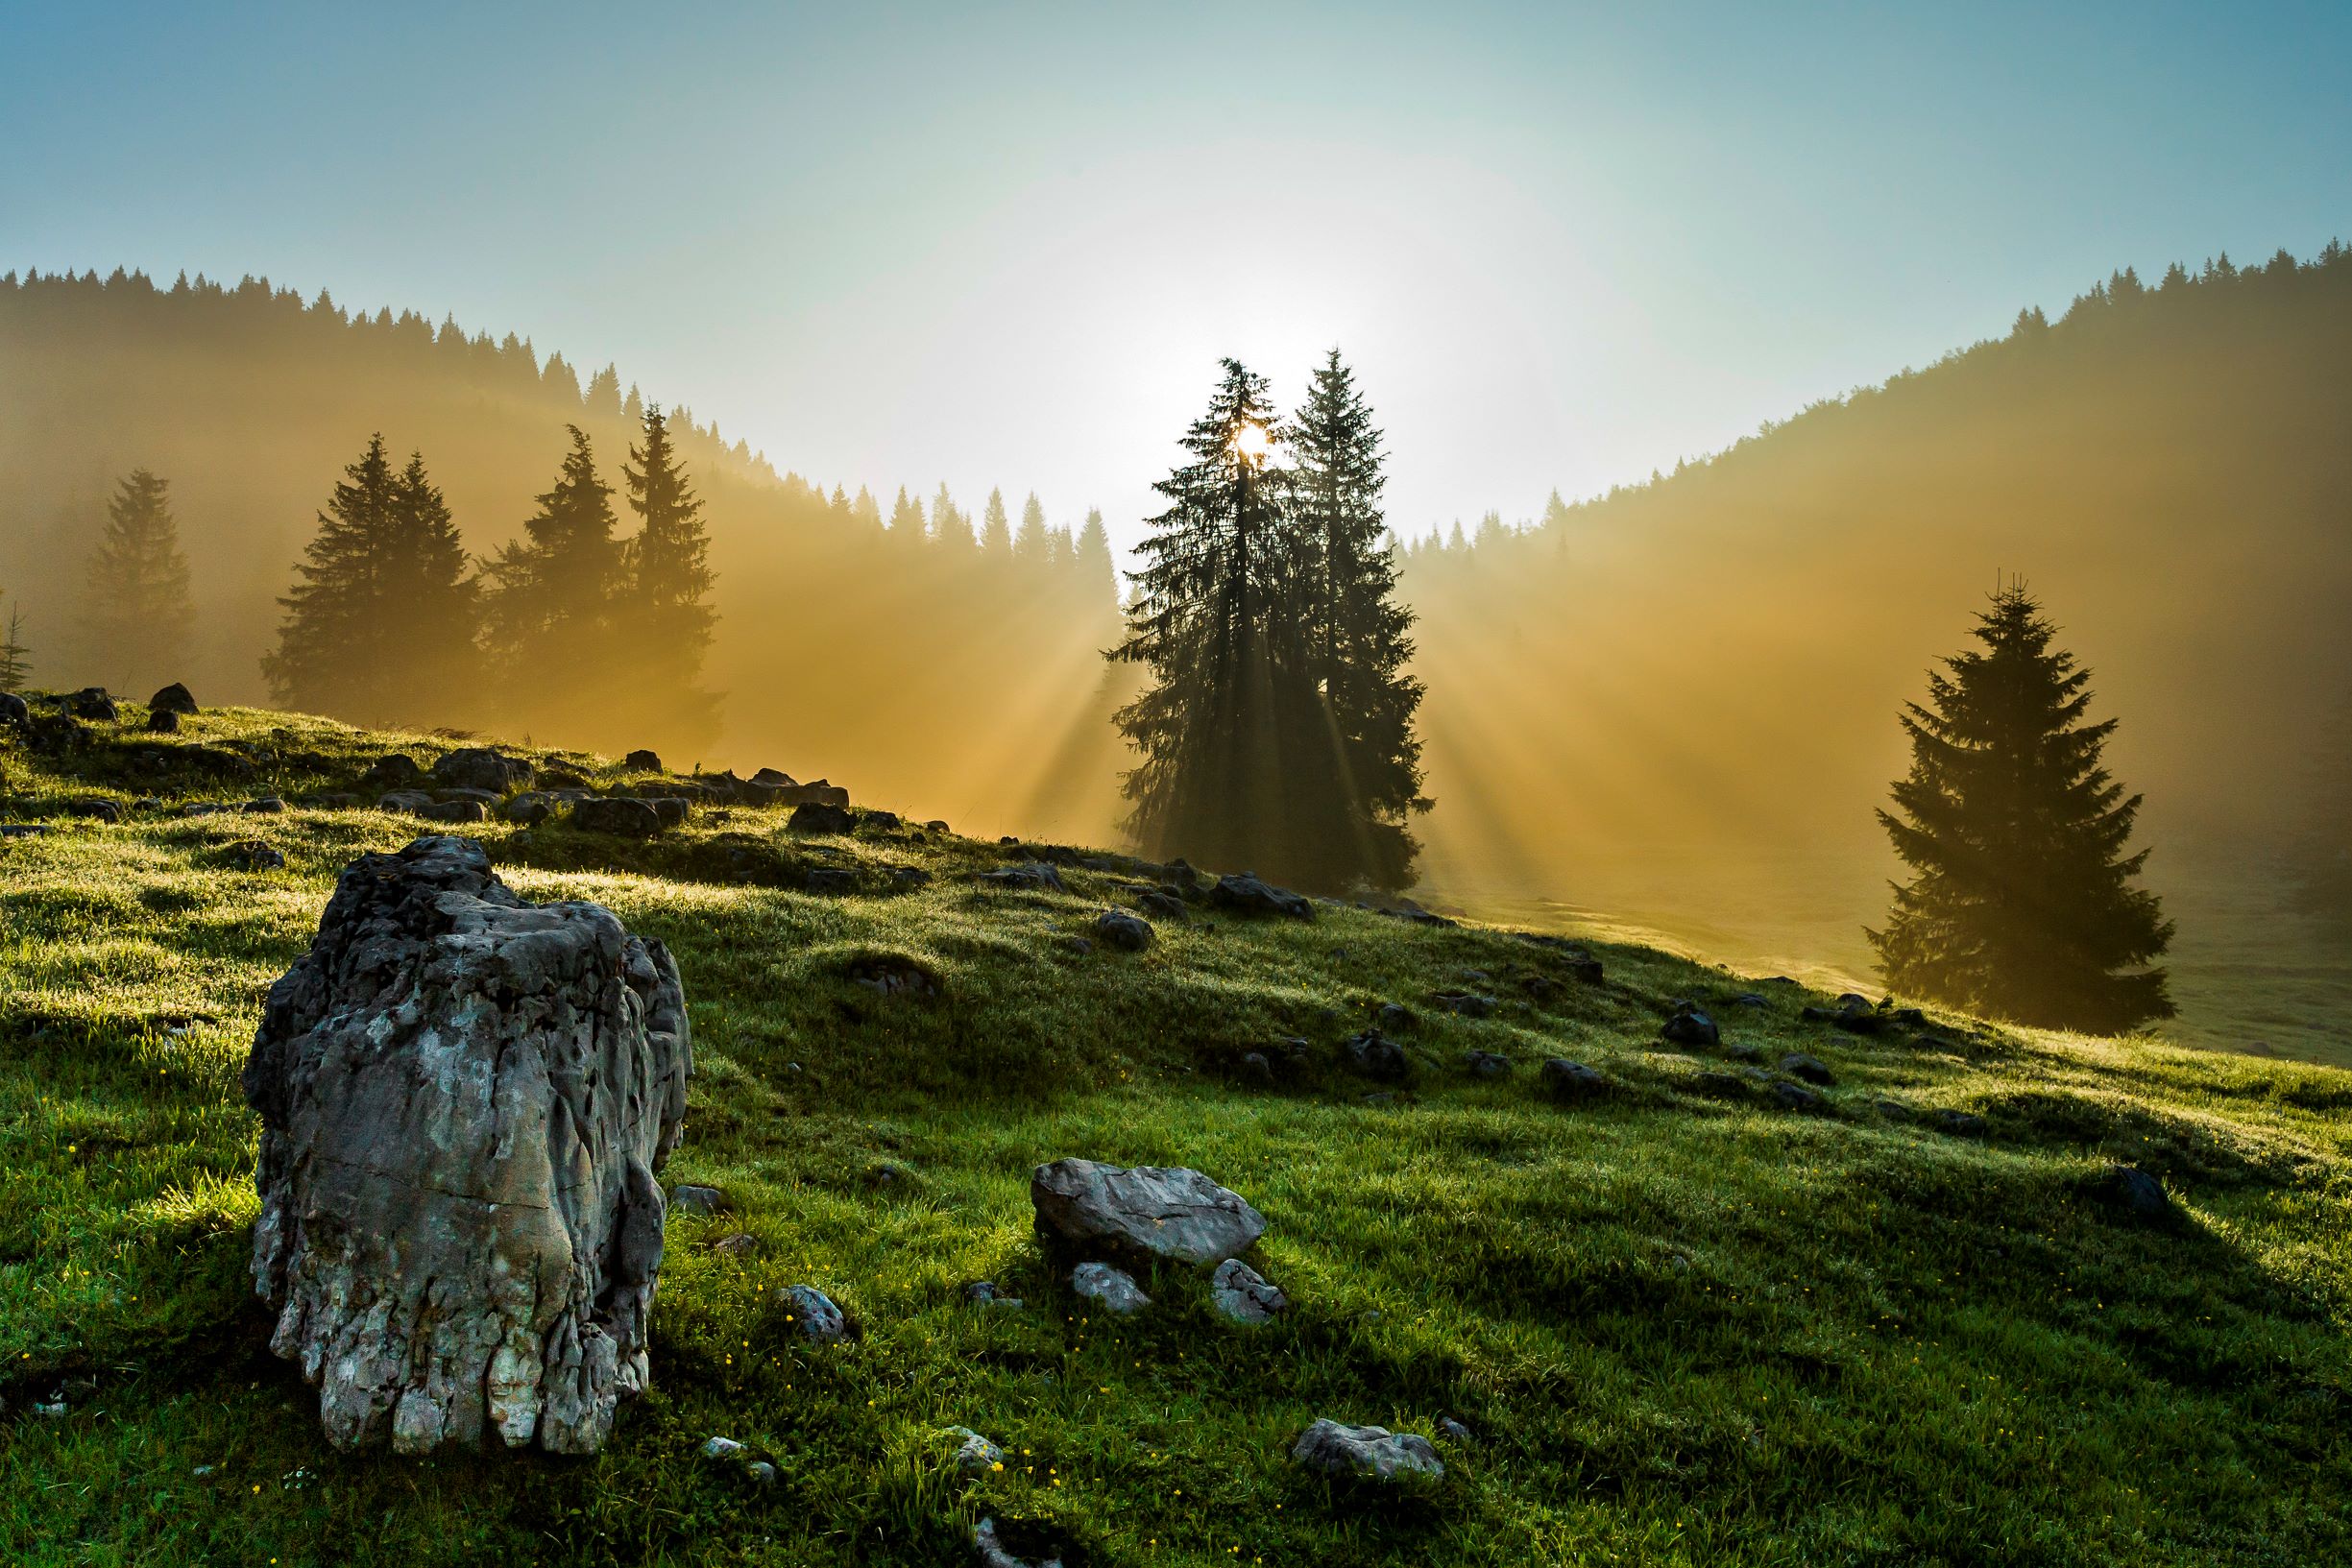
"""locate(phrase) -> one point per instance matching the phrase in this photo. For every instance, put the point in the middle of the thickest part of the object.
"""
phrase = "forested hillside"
(1681, 699)
(907, 648)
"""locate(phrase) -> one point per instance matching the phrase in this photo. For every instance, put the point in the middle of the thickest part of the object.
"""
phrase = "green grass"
(1684, 1329)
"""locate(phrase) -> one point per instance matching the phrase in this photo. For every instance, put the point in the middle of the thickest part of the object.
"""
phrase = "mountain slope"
(1682, 1320)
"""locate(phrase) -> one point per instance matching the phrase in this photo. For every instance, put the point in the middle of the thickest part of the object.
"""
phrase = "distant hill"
(1680, 699)
(915, 666)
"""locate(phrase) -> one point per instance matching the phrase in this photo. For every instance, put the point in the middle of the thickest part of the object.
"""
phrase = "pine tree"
(1368, 781)
(1212, 619)
(549, 606)
(1029, 543)
(382, 623)
(995, 528)
(1097, 572)
(2023, 904)
(665, 610)
(905, 520)
(15, 658)
(950, 526)
(141, 616)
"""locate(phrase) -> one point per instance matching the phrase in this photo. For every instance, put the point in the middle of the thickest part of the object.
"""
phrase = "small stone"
(1337, 1449)
(1393, 1016)
(1485, 1064)
(815, 1313)
(981, 1292)
(264, 805)
(936, 825)
(1564, 1079)
(1376, 1055)
(1751, 999)
(1795, 1097)
(1454, 1432)
(722, 1448)
(1464, 1003)
(162, 722)
(1117, 1292)
(686, 1198)
(1245, 1296)
(1124, 932)
(1958, 1124)
(1720, 1085)
(253, 855)
(1808, 1067)
(738, 1245)
(976, 1455)
(2132, 1191)
(761, 1472)
(1257, 1068)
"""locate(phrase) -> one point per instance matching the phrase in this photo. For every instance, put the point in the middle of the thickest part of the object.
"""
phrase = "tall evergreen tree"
(1370, 781)
(1212, 621)
(995, 528)
(381, 623)
(15, 658)
(950, 526)
(1099, 572)
(140, 619)
(1030, 543)
(905, 520)
(548, 612)
(2023, 904)
(666, 608)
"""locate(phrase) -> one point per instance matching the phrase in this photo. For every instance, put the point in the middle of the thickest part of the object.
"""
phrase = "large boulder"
(14, 710)
(1158, 1211)
(174, 698)
(1336, 1448)
(464, 1100)
(479, 768)
(1247, 895)
(626, 818)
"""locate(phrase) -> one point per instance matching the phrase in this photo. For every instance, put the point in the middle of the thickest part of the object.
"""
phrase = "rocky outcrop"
(464, 1100)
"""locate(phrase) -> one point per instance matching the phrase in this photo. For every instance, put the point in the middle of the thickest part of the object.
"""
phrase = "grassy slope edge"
(1683, 1328)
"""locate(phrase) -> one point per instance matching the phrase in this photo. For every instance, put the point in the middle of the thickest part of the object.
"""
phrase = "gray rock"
(1394, 1017)
(93, 809)
(993, 1552)
(1376, 1055)
(1335, 1449)
(162, 722)
(1115, 1292)
(1795, 1097)
(722, 1448)
(1245, 1296)
(1035, 877)
(1117, 928)
(1812, 1069)
(464, 1098)
(479, 767)
(14, 710)
(264, 805)
(1454, 1432)
(686, 1198)
(1564, 1079)
(253, 855)
(981, 1292)
(1485, 1064)
(1464, 1003)
(813, 1311)
(738, 1245)
(1256, 1067)
(975, 1455)
(530, 809)
(1160, 1211)
(1163, 904)
(1689, 1027)
(454, 811)
(761, 1472)
(91, 703)
(395, 770)
(1247, 895)
(1958, 1124)
(622, 818)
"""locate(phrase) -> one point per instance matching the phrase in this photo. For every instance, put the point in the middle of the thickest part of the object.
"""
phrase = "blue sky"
(1562, 244)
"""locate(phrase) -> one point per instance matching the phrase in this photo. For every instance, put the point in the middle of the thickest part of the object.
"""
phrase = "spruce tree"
(1097, 571)
(140, 618)
(1212, 621)
(1029, 543)
(1369, 774)
(666, 608)
(15, 658)
(950, 527)
(382, 623)
(548, 612)
(2023, 904)
(995, 528)
(905, 520)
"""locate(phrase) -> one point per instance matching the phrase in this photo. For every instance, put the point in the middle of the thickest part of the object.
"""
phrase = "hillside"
(1677, 703)
(1690, 1319)
(903, 660)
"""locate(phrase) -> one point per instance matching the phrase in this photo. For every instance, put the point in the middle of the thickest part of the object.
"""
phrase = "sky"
(1006, 245)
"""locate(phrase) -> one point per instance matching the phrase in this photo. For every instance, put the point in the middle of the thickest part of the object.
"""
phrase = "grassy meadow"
(1682, 1323)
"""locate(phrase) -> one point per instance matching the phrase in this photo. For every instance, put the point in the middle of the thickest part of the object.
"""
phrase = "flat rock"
(1159, 1210)
(1246, 895)
(622, 818)
(1689, 1027)
(1124, 932)
(1376, 1452)
(1111, 1289)
(464, 1098)
(479, 767)
(1245, 1296)
(1812, 1069)
(1032, 877)
(1564, 1079)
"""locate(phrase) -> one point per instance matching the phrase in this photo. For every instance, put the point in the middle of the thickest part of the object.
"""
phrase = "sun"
(1251, 440)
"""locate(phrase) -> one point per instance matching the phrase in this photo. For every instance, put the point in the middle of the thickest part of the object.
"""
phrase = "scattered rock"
(722, 1449)
(832, 880)
(264, 805)
(622, 818)
(1031, 877)
(761, 1472)
(93, 809)
(174, 699)
(738, 1245)
(1078, 947)
(1256, 1067)
(981, 1292)
(14, 710)
(907, 878)
(815, 817)
(1564, 1079)
(1114, 1292)
(1165, 1212)
(463, 1100)
(1376, 1055)
(996, 1550)
(396, 770)
(1126, 932)
(1751, 999)
(1893, 1110)
(976, 1455)
(1958, 1124)
(1163, 904)
(1245, 894)
(1245, 1296)
(936, 825)
(457, 811)
(813, 1313)
(1376, 1452)
(530, 809)
(1741, 1053)
(642, 761)
(23, 830)
(1689, 1027)
(2131, 1190)
(1454, 1432)
(1812, 1069)
(479, 767)
(91, 704)
(1464, 1003)
(1795, 1097)
(894, 975)
(1720, 1085)
(162, 722)
(687, 1199)
(253, 855)
(1485, 1064)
